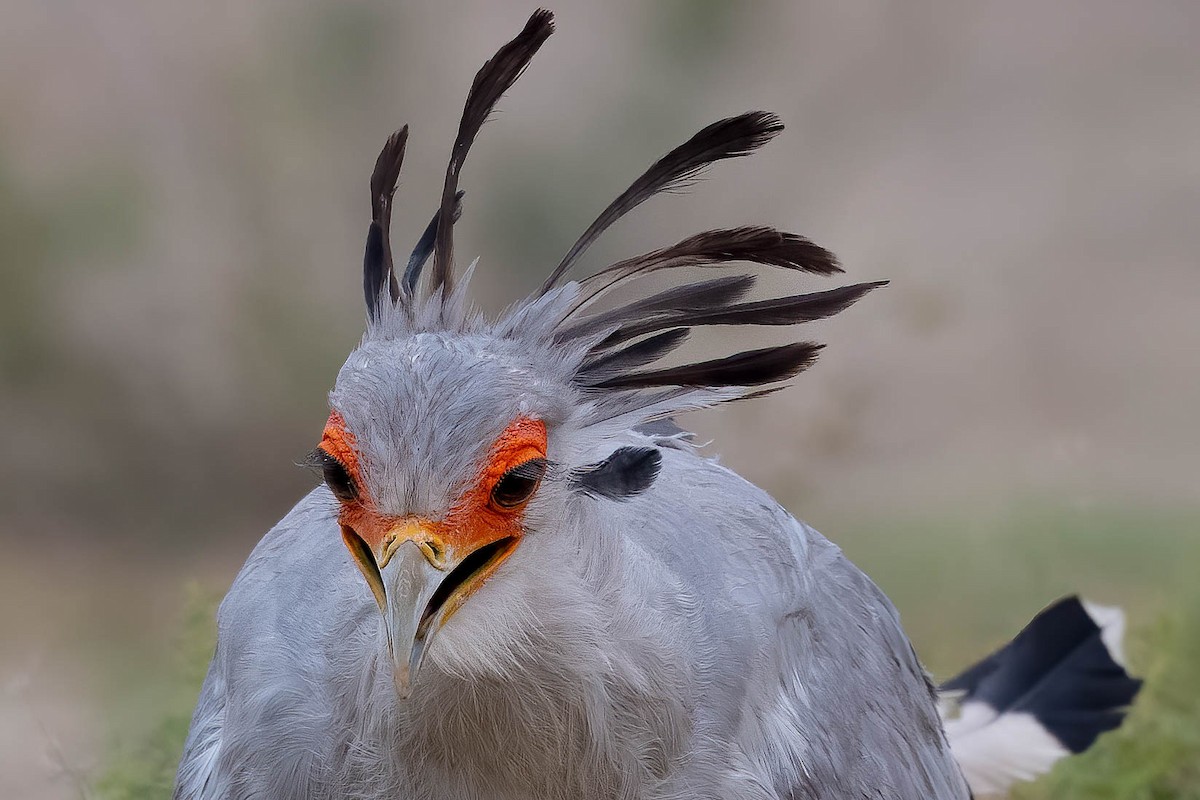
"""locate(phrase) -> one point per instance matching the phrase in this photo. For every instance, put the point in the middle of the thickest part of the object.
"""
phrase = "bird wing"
(264, 724)
(197, 777)
(812, 684)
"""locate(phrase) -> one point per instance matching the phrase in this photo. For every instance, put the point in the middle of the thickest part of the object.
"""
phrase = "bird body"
(522, 580)
(656, 659)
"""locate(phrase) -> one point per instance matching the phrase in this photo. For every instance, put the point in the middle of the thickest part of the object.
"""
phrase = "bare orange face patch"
(474, 521)
(339, 443)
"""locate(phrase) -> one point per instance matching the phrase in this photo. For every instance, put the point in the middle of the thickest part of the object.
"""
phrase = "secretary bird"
(550, 593)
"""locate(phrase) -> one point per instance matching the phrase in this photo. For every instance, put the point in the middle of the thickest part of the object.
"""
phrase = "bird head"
(454, 439)
(436, 449)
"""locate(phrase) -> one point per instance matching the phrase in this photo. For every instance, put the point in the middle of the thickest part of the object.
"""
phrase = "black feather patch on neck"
(627, 472)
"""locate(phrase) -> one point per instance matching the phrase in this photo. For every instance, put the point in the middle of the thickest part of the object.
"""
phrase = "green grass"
(966, 581)
(964, 584)
(145, 767)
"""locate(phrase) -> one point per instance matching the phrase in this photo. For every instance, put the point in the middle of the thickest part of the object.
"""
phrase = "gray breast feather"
(831, 698)
(696, 642)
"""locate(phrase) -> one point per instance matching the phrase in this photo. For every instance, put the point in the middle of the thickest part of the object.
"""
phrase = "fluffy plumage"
(656, 626)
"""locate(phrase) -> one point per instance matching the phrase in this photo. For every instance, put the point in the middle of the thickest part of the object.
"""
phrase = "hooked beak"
(419, 583)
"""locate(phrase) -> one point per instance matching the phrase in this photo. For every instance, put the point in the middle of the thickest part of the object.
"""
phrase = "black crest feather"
(496, 76)
(424, 247)
(377, 260)
(728, 138)
(755, 244)
(625, 473)
(694, 296)
(374, 269)
(638, 354)
(714, 293)
(748, 368)
(792, 310)
(624, 344)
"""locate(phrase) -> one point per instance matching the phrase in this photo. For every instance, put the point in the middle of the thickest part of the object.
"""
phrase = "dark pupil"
(337, 479)
(518, 483)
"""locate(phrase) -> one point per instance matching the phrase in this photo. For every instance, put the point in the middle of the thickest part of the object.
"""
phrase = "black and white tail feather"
(1046, 694)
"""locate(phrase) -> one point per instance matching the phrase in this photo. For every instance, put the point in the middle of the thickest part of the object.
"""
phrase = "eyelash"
(335, 475)
(522, 481)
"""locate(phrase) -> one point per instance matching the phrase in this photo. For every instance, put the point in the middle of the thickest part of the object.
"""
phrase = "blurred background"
(183, 203)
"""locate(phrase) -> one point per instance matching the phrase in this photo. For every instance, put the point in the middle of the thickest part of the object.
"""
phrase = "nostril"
(434, 553)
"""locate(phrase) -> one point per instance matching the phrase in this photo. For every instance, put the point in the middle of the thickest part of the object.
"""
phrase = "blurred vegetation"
(963, 579)
(144, 755)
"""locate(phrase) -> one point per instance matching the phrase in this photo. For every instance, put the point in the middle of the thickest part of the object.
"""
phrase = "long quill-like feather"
(493, 80)
(729, 138)
(377, 260)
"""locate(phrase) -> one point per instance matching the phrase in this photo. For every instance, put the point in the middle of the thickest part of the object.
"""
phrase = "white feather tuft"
(996, 749)
(994, 752)
(1111, 621)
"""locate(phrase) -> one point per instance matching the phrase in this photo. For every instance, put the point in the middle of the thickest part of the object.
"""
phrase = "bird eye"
(336, 477)
(519, 483)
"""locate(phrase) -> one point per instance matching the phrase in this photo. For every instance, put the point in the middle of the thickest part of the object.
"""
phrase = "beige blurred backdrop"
(183, 204)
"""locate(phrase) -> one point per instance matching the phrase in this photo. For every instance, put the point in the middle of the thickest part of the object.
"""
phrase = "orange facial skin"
(473, 522)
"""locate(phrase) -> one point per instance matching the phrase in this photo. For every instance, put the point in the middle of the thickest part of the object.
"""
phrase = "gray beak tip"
(401, 678)
(410, 581)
